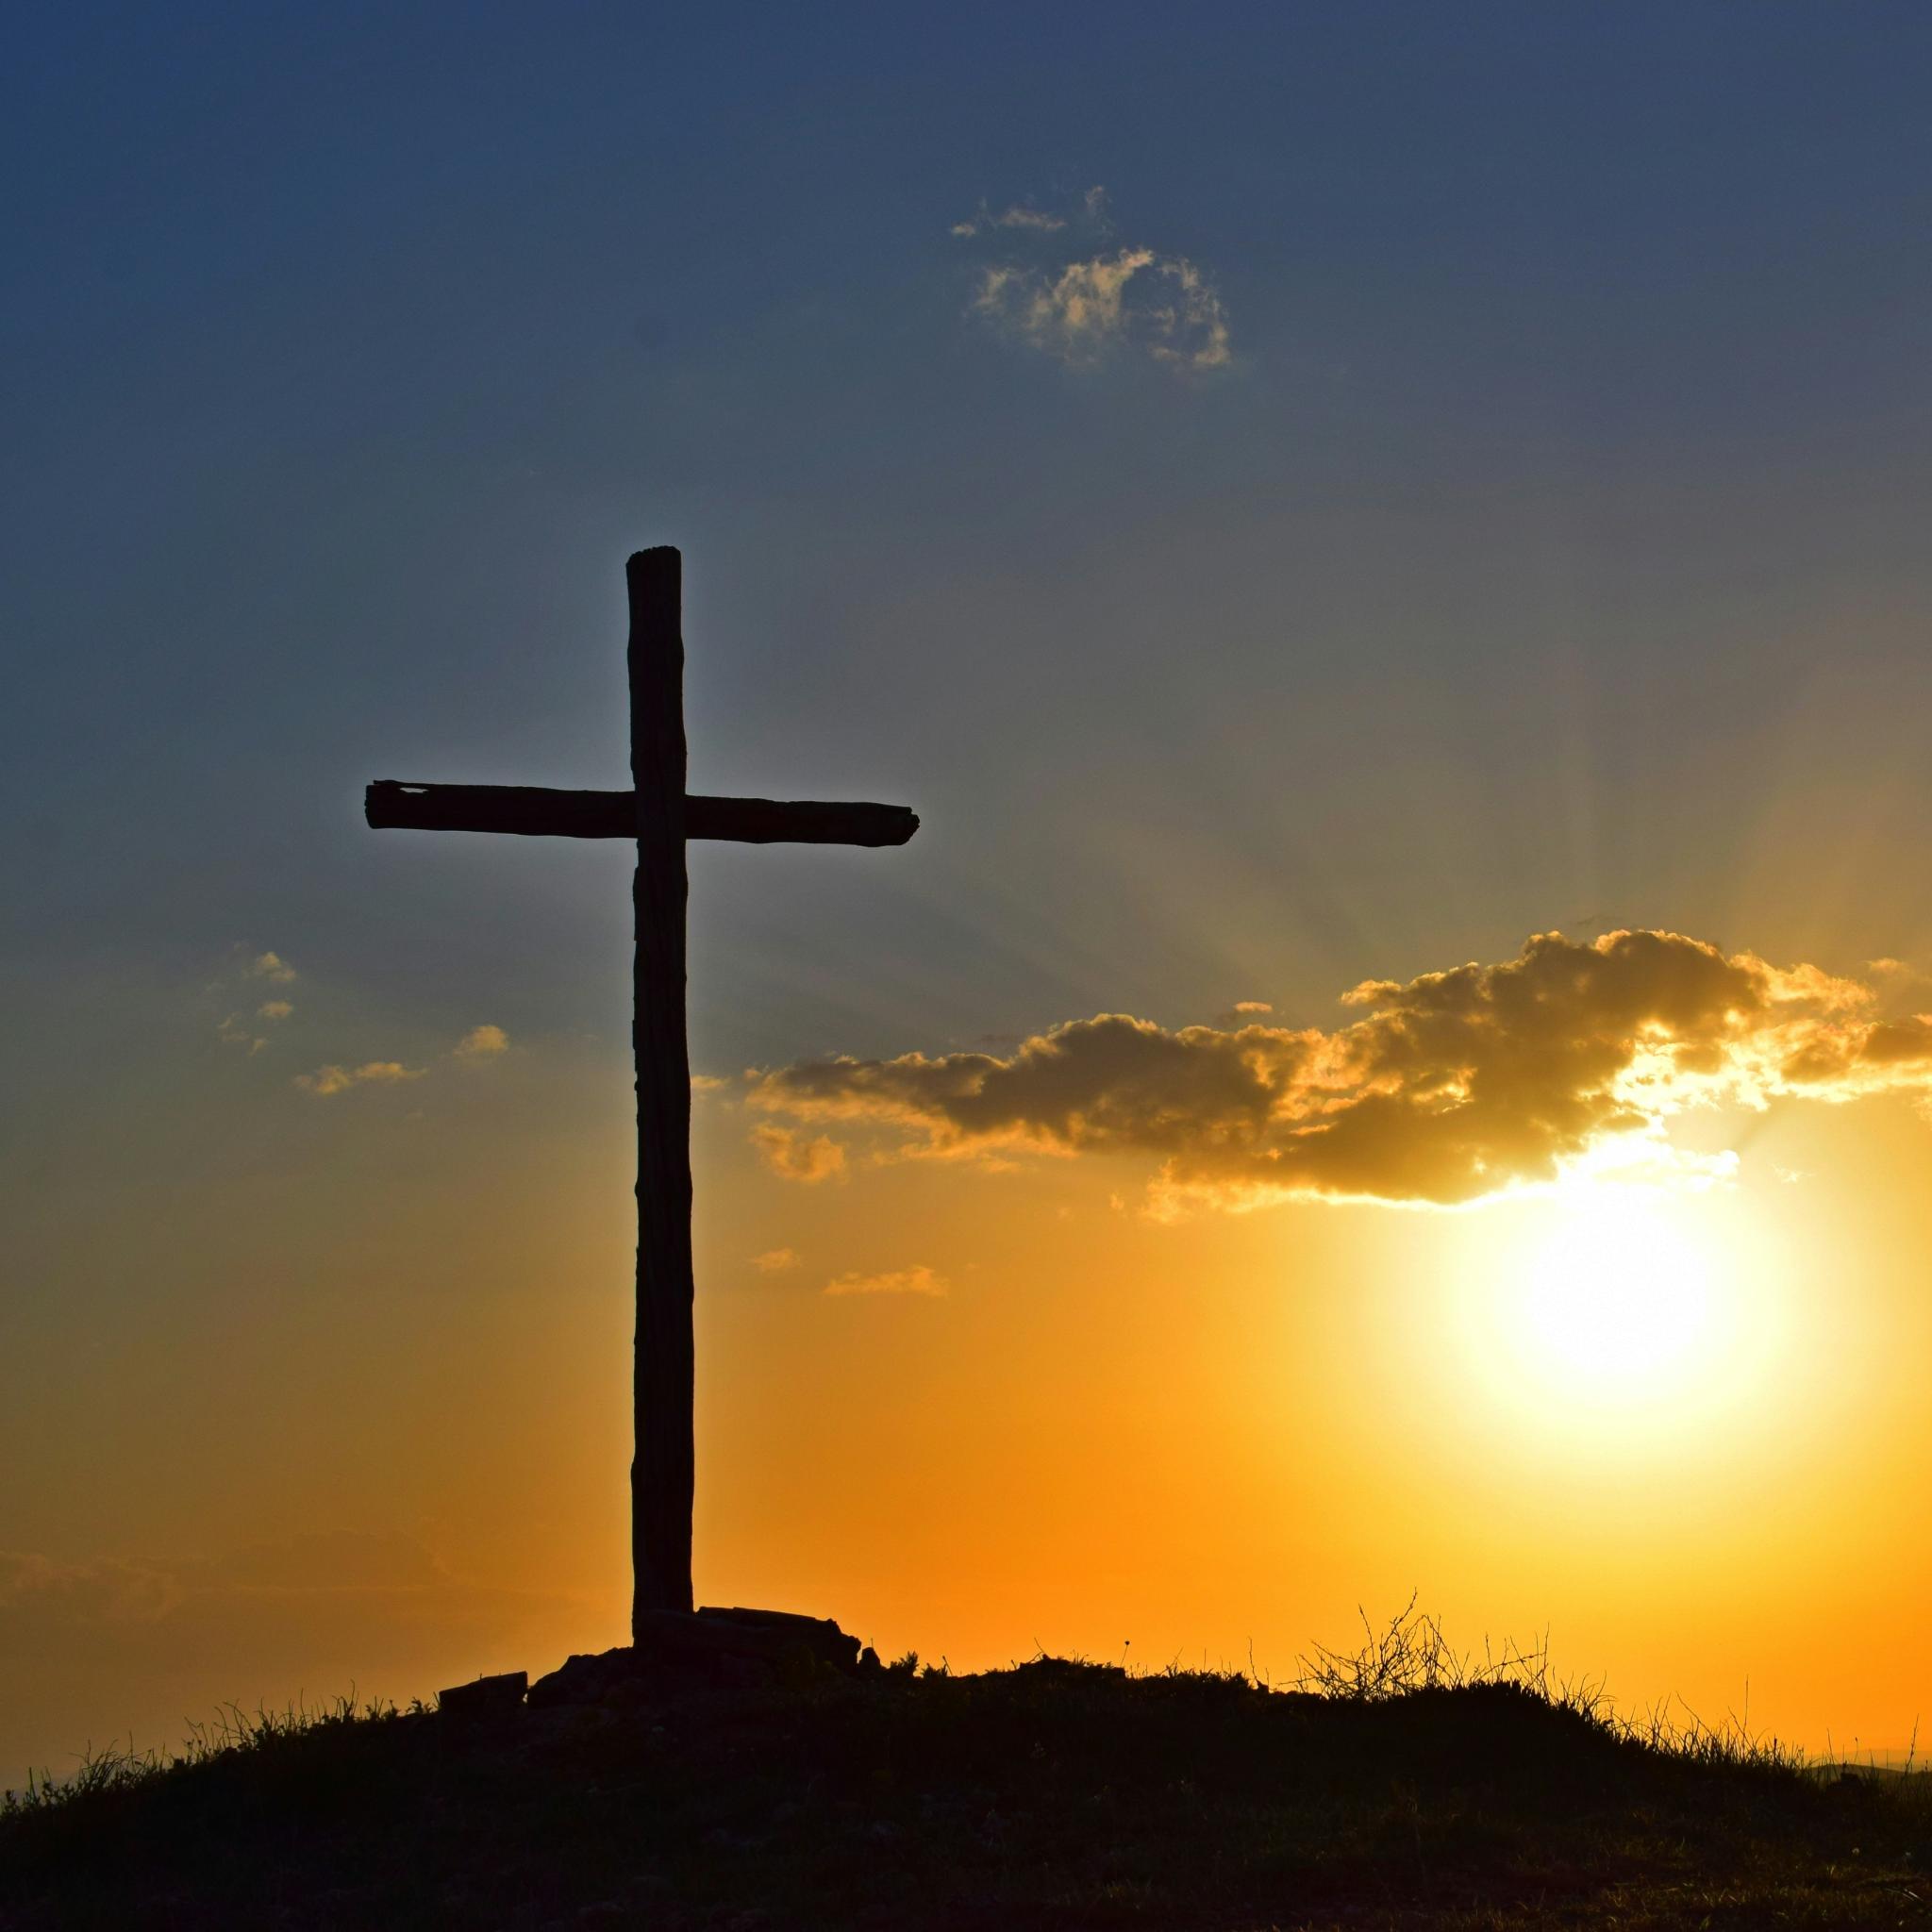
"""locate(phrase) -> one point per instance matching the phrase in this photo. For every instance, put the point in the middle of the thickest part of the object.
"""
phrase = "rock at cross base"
(714, 1646)
(486, 1697)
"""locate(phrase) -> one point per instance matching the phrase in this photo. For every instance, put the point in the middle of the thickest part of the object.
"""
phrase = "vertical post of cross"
(662, 1468)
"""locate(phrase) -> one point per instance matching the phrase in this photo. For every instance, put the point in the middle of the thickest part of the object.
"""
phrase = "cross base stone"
(487, 1697)
(727, 1647)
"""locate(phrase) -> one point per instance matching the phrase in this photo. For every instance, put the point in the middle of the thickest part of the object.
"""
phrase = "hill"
(1054, 1794)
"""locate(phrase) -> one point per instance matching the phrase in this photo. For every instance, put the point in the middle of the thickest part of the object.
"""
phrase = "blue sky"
(347, 351)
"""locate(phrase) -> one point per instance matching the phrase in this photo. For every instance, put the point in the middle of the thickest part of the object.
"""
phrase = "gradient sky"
(1301, 497)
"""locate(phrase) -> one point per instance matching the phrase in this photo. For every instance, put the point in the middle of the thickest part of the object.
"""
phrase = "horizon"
(1385, 555)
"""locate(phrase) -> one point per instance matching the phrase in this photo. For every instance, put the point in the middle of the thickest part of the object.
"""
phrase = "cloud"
(131, 1643)
(108, 1592)
(1449, 1088)
(1081, 302)
(1901, 988)
(328, 1080)
(708, 1083)
(1037, 220)
(102, 1591)
(1080, 312)
(774, 1260)
(1253, 1006)
(795, 1158)
(918, 1280)
(482, 1044)
(236, 1031)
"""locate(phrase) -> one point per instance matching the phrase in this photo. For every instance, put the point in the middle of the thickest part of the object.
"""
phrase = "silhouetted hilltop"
(1054, 1794)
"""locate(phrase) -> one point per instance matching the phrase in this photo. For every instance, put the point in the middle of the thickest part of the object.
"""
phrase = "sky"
(1385, 545)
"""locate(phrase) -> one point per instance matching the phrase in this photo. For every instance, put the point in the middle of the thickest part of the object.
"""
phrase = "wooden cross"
(659, 815)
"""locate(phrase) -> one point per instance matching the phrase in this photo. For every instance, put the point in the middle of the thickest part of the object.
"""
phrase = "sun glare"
(1620, 1294)
(1608, 1300)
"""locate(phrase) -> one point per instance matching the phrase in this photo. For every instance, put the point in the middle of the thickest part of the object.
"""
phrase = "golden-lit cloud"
(478, 1047)
(100, 1591)
(918, 1280)
(1449, 1088)
(796, 1158)
(1080, 302)
(141, 1589)
(1161, 303)
(1038, 220)
(1902, 990)
(236, 1031)
(329, 1080)
(239, 1028)
(776, 1260)
(1243, 1011)
(121, 1633)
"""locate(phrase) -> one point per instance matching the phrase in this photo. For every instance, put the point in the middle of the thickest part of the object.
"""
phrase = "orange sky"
(979, 1403)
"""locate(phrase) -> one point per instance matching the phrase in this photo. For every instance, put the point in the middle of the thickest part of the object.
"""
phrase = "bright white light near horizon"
(1621, 1292)
(1624, 1314)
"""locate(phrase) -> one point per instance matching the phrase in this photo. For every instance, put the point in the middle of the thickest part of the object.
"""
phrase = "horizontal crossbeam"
(538, 811)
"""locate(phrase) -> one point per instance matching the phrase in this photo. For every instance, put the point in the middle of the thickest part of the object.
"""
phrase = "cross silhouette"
(659, 815)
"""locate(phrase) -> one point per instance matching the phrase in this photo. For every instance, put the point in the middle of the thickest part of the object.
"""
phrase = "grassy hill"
(1389, 1792)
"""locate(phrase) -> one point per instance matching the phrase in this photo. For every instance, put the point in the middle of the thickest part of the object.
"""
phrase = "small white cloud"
(1082, 308)
(918, 1280)
(709, 1083)
(1161, 304)
(1036, 221)
(482, 1044)
(238, 1027)
(1903, 989)
(327, 1080)
(1243, 1013)
(774, 1260)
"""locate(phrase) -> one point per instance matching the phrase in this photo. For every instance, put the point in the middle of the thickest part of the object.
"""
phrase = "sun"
(1616, 1301)
(1621, 1294)
(1617, 1315)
